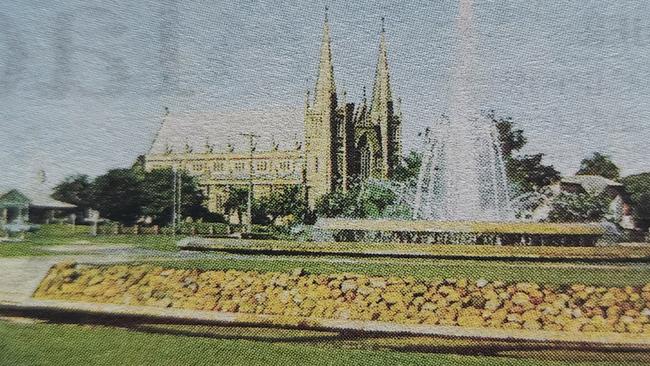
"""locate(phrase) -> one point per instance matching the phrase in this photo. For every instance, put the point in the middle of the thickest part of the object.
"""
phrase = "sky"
(83, 83)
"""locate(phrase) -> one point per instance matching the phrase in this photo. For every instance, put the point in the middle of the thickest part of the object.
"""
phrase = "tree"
(599, 164)
(139, 165)
(638, 188)
(366, 200)
(259, 213)
(374, 199)
(158, 196)
(409, 168)
(512, 140)
(118, 196)
(287, 201)
(642, 211)
(526, 171)
(578, 207)
(236, 202)
(75, 189)
(637, 184)
(337, 204)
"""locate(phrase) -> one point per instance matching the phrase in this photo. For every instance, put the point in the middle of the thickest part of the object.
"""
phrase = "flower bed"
(451, 302)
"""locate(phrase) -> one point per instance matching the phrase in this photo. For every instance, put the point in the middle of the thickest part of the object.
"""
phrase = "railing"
(207, 229)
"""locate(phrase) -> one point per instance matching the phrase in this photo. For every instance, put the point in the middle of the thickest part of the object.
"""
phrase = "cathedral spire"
(325, 86)
(381, 93)
(381, 105)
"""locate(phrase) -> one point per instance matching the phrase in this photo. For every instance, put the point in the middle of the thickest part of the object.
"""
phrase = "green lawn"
(53, 344)
(20, 250)
(80, 234)
(556, 273)
(551, 273)
(67, 234)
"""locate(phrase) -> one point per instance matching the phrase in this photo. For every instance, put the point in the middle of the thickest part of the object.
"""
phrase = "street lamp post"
(177, 183)
(174, 200)
(249, 204)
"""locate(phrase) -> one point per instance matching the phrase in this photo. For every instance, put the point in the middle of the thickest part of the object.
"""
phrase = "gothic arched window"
(365, 158)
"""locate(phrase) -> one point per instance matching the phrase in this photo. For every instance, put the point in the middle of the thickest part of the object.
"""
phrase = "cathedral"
(344, 143)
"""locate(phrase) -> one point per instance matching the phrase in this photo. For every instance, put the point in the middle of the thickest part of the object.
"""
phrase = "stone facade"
(218, 172)
(343, 143)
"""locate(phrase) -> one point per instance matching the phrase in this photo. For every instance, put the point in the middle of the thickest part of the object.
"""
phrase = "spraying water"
(462, 176)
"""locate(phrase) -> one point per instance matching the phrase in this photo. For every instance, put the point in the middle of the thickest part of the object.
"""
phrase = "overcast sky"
(84, 82)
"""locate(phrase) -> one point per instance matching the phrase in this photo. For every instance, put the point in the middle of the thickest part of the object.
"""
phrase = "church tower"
(382, 114)
(378, 126)
(320, 126)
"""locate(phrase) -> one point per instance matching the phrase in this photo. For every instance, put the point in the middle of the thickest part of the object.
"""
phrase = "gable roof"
(15, 197)
(282, 126)
(40, 199)
(594, 184)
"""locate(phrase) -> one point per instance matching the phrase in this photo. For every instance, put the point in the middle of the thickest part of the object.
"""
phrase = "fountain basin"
(457, 232)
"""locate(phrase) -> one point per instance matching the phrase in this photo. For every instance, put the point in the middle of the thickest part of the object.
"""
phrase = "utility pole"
(249, 207)
(179, 196)
(177, 183)
(174, 199)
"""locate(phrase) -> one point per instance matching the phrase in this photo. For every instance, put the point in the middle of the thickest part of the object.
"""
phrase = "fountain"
(462, 194)
(463, 175)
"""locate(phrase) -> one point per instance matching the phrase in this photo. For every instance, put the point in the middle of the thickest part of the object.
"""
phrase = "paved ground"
(19, 276)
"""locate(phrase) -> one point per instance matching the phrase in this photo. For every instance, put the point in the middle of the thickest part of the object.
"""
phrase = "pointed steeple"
(381, 91)
(381, 105)
(325, 86)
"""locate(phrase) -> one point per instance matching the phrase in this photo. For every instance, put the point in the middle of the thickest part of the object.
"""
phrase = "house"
(619, 207)
(18, 208)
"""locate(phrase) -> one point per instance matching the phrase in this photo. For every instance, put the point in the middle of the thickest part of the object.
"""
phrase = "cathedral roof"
(594, 184)
(281, 126)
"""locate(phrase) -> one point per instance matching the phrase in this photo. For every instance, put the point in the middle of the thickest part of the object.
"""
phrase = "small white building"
(619, 207)
(17, 207)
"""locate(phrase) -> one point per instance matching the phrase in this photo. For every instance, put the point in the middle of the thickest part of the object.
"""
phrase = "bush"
(578, 207)
(108, 228)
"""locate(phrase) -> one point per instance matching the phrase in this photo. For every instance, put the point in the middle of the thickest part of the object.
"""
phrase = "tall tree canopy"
(638, 188)
(527, 172)
(75, 189)
(236, 201)
(599, 164)
(118, 195)
(158, 195)
(578, 207)
(128, 195)
(286, 201)
(365, 200)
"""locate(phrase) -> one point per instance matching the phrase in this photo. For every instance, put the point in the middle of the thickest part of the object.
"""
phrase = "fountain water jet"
(463, 175)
